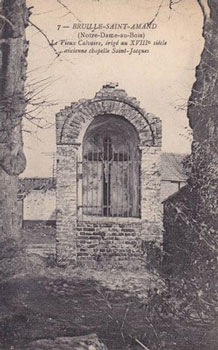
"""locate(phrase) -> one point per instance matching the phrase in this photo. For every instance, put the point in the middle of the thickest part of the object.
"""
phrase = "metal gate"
(110, 181)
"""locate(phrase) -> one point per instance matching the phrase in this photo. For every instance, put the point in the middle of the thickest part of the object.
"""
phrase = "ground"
(34, 307)
(106, 299)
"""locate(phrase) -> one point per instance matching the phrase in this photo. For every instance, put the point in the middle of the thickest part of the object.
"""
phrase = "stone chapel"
(108, 177)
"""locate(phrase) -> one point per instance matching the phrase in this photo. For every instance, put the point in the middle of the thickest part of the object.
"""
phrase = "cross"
(107, 156)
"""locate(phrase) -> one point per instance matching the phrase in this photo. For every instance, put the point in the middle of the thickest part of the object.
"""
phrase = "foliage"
(185, 314)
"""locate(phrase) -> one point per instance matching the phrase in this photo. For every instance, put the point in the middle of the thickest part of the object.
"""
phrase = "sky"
(161, 80)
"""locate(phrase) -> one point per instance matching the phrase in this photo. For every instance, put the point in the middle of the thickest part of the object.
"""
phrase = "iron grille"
(110, 181)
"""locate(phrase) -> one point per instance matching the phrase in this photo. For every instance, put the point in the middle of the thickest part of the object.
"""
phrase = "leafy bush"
(185, 315)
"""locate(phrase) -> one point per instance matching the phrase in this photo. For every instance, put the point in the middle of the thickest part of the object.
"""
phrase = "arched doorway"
(110, 168)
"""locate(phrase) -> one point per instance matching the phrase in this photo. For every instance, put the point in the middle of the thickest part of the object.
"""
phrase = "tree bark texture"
(13, 52)
(202, 107)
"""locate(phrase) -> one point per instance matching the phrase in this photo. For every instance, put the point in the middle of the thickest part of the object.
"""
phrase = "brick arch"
(80, 115)
(71, 124)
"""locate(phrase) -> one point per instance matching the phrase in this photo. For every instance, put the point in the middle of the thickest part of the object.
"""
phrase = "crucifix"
(107, 156)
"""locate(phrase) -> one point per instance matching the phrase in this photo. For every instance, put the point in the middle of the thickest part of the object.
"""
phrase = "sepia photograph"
(108, 175)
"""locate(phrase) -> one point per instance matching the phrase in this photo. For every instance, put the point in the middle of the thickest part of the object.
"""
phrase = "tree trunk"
(202, 108)
(13, 52)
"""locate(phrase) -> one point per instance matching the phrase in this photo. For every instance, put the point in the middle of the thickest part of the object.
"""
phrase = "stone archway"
(73, 231)
(73, 121)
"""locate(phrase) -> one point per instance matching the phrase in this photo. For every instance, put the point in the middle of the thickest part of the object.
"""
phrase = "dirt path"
(42, 307)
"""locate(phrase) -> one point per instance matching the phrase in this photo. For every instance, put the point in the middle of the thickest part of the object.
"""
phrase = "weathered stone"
(114, 237)
(109, 103)
(86, 342)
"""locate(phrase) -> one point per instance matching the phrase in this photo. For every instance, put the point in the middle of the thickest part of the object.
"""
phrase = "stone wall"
(82, 238)
(40, 205)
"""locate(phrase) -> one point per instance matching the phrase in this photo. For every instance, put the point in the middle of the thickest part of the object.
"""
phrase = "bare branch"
(172, 3)
(47, 39)
(68, 10)
(141, 344)
(157, 13)
(36, 121)
(44, 13)
(7, 21)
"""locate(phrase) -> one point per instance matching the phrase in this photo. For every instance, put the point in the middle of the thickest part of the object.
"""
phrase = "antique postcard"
(115, 220)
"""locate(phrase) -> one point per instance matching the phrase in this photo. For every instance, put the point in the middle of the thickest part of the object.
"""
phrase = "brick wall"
(79, 238)
(111, 240)
(66, 203)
